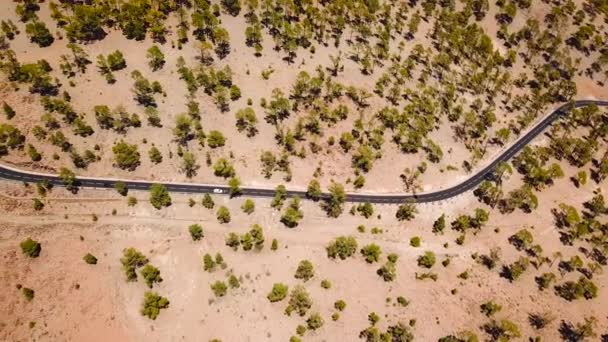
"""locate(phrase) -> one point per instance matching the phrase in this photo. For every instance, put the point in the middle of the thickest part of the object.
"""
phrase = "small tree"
(314, 322)
(131, 260)
(427, 260)
(278, 293)
(152, 304)
(215, 139)
(39, 33)
(371, 253)
(28, 293)
(151, 275)
(126, 156)
(121, 188)
(196, 232)
(305, 270)
(340, 305)
(156, 58)
(314, 190)
(490, 308)
(116, 61)
(155, 156)
(334, 205)
(68, 178)
(299, 301)
(219, 288)
(248, 206)
(90, 259)
(406, 211)
(9, 112)
(342, 247)
(159, 196)
(223, 215)
(208, 263)
(30, 247)
(208, 201)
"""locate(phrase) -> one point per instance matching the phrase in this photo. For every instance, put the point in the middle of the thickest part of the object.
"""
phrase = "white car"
(218, 191)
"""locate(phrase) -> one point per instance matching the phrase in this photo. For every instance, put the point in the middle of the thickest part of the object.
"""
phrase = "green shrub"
(90, 259)
(305, 270)
(315, 321)
(342, 247)
(152, 304)
(299, 301)
(248, 206)
(223, 215)
(279, 292)
(208, 201)
(427, 260)
(340, 305)
(28, 293)
(371, 253)
(151, 275)
(159, 196)
(219, 288)
(196, 232)
(415, 241)
(490, 308)
(326, 284)
(30, 247)
(131, 260)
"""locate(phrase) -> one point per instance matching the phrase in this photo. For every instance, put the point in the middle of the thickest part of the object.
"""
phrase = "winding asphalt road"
(423, 197)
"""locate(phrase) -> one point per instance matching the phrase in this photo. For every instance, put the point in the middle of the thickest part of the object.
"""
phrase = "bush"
(279, 292)
(155, 156)
(216, 139)
(151, 275)
(223, 215)
(126, 156)
(8, 111)
(159, 196)
(371, 253)
(233, 282)
(305, 270)
(39, 34)
(208, 202)
(340, 305)
(490, 308)
(342, 247)
(90, 259)
(156, 58)
(116, 61)
(208, 263)
(30, 248)
(121, 188)
(388, 271)
(406, 211)
(415, 241)
(299, 301)
(28, 293)
(38, 205)
(326, 284)
(427, 260)
(314, 322)
(152, 304)
(223, 168)
(131, 260)
(196, 232)
(248, 206)
(219, 288)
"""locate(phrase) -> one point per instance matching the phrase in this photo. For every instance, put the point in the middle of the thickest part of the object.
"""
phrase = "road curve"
(423, 197)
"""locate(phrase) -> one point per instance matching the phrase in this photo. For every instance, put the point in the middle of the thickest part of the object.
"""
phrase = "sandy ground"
(93, 90)
(106, 305)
